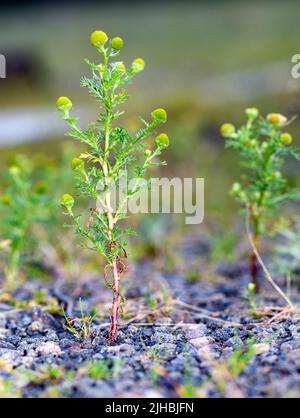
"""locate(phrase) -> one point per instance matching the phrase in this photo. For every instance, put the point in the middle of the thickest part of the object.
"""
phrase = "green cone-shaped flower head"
(252, 113)
(227, 129)
(77, 163)
(64, 104)
(67, 201)
(138, 65)
(98, 38)
(286, 138)
(162, 141)
(117, 43)
(159, 115)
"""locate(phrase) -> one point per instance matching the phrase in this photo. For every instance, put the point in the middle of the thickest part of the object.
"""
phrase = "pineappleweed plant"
(111, 149)
(263, 145)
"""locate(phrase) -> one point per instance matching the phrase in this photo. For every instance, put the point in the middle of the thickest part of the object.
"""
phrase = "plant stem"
(115, 312)
(265, 270)
(109, 211)
(254, 267)
(12, 270)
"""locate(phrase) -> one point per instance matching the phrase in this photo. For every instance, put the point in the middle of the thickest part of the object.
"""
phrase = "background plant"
(24, 204)
(111, 149)
(263, 146)
(287, 254)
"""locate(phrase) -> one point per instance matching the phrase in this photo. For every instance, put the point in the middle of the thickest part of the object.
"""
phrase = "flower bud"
(41, 187)
(98, 38)
(252, 113)
(159, 115)
(286, 138)
(257, 196)
(100, 68)
(67, 201)
(77, 163)
(138, 65)
(6, 199)
(14, 170)
(121, 67)
(117, 43)
(64, 104)
(147, 153)
(251, 288)
(227, 129)
(276, 118)
(235, 189)
(277, 175)
(162, 141)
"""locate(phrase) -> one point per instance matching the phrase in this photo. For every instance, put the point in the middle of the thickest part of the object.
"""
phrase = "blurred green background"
(205, 62)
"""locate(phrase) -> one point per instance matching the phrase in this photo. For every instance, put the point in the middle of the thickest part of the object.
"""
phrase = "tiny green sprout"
(240, 359)
(159, 115)
(100, 370)
(286, 138)
(117, 43)
(227, 129)
(98, 38)
(251, 298)
(162, 141)
(64, 104)
(81, 327)
(138, 65)
(252, 113)
(263, 149)
(110, 151)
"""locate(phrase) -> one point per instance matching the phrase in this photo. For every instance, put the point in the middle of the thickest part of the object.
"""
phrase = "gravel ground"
(183, 338)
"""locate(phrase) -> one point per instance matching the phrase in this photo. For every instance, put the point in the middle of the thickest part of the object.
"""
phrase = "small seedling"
(111, 151)
(81, 327)
(240, 359)
(263, 145)
(287, 253)
(8, 389)
(23, 204)
(251, 298)
(104, 369)
(99, 370)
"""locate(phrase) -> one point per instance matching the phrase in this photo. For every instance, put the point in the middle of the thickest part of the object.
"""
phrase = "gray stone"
(48, 348)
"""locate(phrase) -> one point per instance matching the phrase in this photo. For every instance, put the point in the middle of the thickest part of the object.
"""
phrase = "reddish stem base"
(254, 269)
(115, 309)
